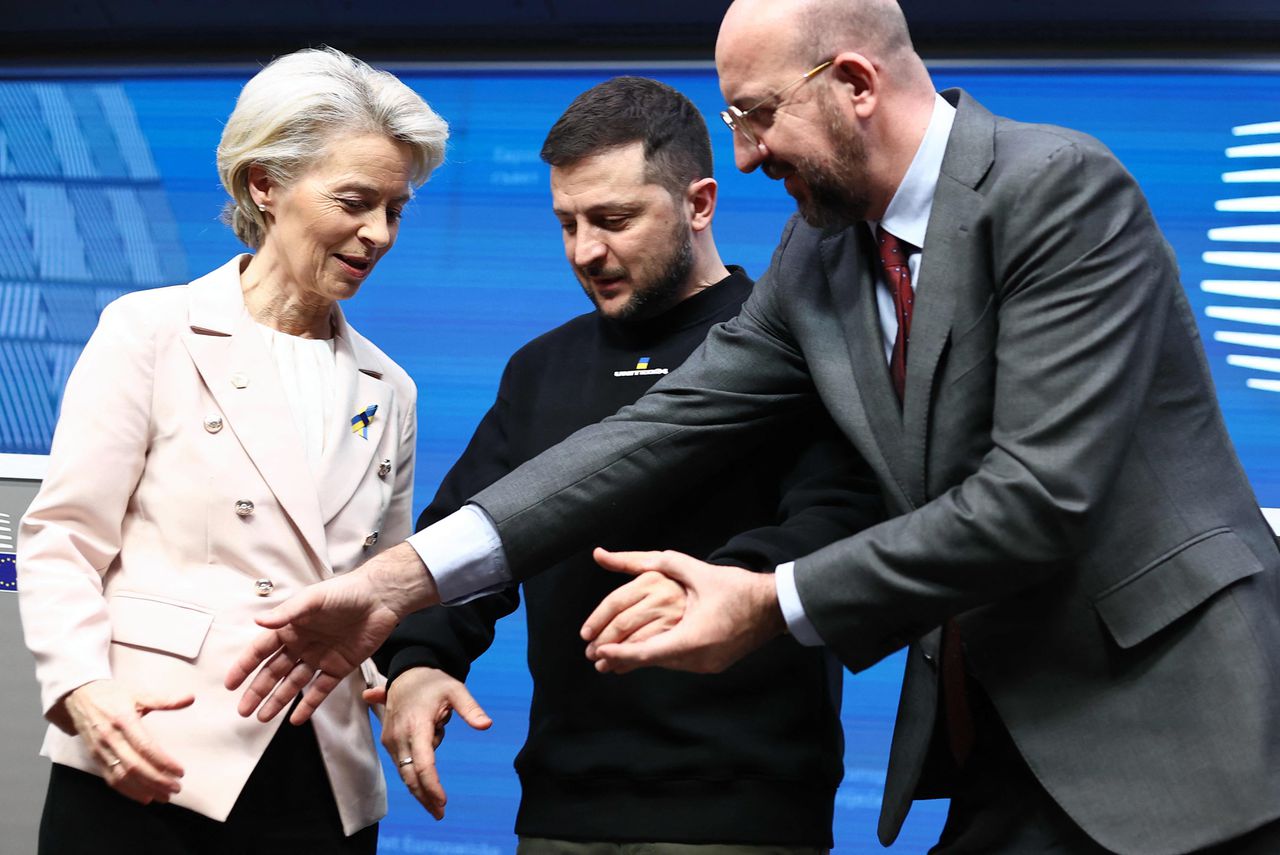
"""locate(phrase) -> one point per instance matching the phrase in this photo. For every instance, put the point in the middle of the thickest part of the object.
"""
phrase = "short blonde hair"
(291, 108)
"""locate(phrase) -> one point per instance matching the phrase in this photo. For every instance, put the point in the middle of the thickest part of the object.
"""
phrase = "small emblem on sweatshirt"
(642, 369)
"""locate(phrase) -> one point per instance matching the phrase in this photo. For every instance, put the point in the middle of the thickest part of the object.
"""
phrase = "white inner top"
(306, 367)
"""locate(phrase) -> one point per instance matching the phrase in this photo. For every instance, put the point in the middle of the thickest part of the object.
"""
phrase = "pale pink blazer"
(135, 564)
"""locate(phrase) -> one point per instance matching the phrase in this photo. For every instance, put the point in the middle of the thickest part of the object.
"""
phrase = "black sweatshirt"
(749, 756)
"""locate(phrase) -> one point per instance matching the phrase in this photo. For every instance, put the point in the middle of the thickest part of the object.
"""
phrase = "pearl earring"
(262, 208)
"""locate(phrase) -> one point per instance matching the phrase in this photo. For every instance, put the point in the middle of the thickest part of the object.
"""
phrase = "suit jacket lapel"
(844, 255)
(347, 454)
(948, 246)
(237, 368)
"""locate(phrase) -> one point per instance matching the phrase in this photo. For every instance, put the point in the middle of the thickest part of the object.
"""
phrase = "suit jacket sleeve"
(72, 532)
(743, 385)
(451, 638)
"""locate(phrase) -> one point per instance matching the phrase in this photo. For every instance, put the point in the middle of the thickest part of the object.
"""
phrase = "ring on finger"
(113, 762)
(404, 761)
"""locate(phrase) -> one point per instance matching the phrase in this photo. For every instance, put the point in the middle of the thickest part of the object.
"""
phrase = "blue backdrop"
(107, 184)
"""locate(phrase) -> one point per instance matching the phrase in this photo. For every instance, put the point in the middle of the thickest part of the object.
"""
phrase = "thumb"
(470, 711)
(669, 563)
(290, 610)
(151, 703)
(376, 695)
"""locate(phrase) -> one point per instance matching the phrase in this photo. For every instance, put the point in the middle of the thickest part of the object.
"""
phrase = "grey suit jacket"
(1059, 478)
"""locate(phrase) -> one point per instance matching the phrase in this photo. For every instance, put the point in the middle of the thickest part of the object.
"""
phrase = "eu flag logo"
(8, 572)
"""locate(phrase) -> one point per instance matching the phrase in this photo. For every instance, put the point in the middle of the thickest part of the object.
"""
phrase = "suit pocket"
(168, 626)
(1166, 589)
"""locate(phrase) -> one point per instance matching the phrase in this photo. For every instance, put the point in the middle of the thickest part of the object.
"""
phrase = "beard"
(654, 295)
(837, 193)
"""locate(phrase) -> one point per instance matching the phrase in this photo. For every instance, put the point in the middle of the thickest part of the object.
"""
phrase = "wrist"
(772, 621)
(402, 581)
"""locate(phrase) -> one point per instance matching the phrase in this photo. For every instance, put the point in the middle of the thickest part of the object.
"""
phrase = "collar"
(907, 216)
(712, 301)
(217, 307)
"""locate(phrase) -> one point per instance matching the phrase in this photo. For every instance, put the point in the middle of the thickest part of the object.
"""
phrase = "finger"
(154, 703)
(663, 649)
(260, 650)
(644, 633)
(155, 760)
(430, 791)
(277, 667)
(623, 598)
(316, 692)
(626, 624)
(128, 771)
(375, 695)
(285, 691)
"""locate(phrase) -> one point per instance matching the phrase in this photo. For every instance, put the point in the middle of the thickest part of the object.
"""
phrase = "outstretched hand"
(419, 705)
(321, 634)
(728, 613)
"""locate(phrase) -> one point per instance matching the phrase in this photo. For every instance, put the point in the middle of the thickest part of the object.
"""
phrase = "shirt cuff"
(792, 609)
(464, 555)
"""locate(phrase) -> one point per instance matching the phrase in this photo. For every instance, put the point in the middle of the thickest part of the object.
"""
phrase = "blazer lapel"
(844, 256)
(348, 454)
(948, 246)
(237, 368)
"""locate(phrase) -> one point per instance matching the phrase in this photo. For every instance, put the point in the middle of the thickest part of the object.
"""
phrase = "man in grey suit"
(990, 313)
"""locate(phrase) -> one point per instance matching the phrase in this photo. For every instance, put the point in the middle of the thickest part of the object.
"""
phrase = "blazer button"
(244, 508)
(263, 587)
(371, 539)
(213, 424)
(239, 380)
(384, 468)
(929, 659)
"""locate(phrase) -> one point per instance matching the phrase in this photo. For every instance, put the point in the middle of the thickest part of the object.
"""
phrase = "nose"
(586, 248)
(746, 154)
(376, 230)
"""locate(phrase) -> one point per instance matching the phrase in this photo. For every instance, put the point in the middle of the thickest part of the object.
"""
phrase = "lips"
(604, 280)
(356, 265)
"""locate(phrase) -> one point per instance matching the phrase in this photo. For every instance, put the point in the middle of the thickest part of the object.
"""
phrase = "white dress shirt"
(463, 550)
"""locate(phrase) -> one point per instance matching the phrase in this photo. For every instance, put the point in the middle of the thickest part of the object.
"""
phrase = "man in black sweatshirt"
(745, 761)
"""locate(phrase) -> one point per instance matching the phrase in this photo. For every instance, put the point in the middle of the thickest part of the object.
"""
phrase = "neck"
(708, 269)
(910, 109)
(275, 301)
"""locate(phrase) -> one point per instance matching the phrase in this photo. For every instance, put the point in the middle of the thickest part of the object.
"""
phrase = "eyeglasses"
(737, 119)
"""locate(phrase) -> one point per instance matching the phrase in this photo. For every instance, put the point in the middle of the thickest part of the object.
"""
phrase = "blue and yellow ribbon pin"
(360, 421)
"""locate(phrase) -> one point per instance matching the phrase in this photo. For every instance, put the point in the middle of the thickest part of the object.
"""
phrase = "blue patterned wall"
(84, 218)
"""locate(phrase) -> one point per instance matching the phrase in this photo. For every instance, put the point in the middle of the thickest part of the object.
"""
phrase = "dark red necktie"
(955, 700)
(893, 261)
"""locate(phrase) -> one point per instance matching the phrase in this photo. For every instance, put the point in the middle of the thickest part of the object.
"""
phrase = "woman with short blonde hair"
(253, 443)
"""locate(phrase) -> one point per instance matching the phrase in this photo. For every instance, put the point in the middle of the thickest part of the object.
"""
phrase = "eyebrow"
(370, 190)
(604, 208)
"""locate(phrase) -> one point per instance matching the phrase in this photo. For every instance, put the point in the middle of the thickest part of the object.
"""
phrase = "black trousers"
(286, 808)
(999, 808)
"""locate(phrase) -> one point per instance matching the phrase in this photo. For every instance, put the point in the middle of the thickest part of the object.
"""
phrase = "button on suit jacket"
(134, 563)
(1059, 478)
